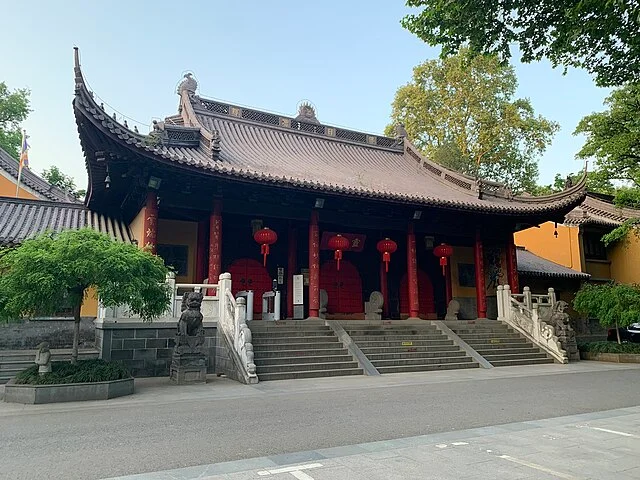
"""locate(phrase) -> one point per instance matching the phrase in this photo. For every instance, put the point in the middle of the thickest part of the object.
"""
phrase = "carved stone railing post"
(526, 291)
(552, 297)
(500, 301)
(171, 282)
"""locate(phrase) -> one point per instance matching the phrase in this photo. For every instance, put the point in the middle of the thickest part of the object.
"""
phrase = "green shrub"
(85, 371)
(609, 347)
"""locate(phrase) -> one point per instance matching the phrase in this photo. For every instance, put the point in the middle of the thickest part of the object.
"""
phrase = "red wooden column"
(412, 273)
(512, 265)
(150, 226)
(215, 242)
(384, 290)
(291, 267)
(201, 251)
(481, 298)
(314, 265)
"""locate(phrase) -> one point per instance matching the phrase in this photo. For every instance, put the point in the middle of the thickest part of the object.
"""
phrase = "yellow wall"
(625, 260)
(461, 255)
(599, 270)
(177, 232)
(90, 304)
(8, 189)
(564, 250)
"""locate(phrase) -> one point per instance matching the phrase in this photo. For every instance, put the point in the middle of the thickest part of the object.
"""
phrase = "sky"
(347, 57)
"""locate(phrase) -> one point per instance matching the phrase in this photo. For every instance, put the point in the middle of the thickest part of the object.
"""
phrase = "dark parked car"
(627, 334)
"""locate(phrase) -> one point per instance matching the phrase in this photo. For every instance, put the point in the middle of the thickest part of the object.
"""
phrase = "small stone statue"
(189, 362)
(566, 336)
(452, 310)
(43, 358)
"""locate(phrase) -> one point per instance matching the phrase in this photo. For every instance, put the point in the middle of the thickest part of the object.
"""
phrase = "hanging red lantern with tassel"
(265, 237)
(443, 251)
(386, 247)
(338, 243)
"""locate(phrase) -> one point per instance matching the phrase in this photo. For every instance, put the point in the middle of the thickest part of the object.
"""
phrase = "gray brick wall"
(147, 348)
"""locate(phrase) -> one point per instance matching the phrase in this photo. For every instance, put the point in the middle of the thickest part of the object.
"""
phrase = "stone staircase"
(14, 361)
(299, 349)
(499, 344)
(398, 347)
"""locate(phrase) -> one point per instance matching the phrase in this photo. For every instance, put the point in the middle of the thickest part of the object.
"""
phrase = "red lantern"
(443, 251)
(386, 247)
(338, 243)
(265, 237)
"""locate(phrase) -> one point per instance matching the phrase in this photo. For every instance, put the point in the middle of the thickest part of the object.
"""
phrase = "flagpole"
(23, 148)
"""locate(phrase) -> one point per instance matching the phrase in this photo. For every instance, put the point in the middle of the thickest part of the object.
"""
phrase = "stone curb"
(484, 363)
(353, 349)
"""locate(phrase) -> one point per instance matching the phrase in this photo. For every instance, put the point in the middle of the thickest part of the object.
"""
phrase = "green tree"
(596, 182)
(14, 108)
(65, 182)
(461, 112)
(54, 269)
(598, 35)
(613, 136)
(613, 304)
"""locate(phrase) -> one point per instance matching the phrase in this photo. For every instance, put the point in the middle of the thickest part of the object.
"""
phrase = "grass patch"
(609, 347)
(85, 371)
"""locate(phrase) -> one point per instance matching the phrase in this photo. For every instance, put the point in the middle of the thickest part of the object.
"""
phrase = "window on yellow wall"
(593, 246)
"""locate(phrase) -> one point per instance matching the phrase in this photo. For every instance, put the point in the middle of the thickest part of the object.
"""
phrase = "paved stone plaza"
(486, 424)
(602, 445)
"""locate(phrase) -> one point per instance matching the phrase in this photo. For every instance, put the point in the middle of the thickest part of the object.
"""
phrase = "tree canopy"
(65, 182)
(596, 182)
(461, 112)
(613, 304)
(14, 108)
(598, 35)
(51, 270)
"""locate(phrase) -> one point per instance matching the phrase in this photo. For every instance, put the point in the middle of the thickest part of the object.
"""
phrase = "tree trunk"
(76, 334)
(618, 333)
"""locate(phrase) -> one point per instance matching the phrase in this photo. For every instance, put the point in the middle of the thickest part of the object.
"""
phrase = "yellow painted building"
(578, 243)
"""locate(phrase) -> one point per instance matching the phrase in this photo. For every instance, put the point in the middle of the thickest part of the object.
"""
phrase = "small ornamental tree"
(56, 269)
(613, 304)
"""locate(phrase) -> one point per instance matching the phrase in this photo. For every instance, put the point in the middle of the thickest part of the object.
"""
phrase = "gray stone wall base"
(27, 334)
(75, 392)
(611, 357)
(188, 368)
(147, 348)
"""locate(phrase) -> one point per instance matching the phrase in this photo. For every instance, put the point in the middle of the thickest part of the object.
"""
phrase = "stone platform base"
(188, 368)
(72, 392)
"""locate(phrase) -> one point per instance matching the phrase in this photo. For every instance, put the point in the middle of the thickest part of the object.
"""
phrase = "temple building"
(204, 183)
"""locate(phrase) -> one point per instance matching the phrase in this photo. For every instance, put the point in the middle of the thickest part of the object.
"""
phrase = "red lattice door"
(344, 287)
(426, 303)
(249, 274)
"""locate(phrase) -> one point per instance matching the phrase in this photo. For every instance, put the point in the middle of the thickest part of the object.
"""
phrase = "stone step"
(526, 349)
(291, 333)
(266, 361)
(310, 374)
(399, 343)
(288, 328)
(534, 361)
(428, 368)
(57, 355)
(258, 339)
(499, 345)
(411, 355)
(292, 345)
(419, 361)
(481, 331)
(394, 338)
(492, 336)
(393, 331)
(21, 364)
(299, 367)
(415, 349)
(303, 353)
(513, 356)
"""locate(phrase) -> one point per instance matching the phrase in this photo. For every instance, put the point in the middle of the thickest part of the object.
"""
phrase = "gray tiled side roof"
(22, 219)
(595, 210)
(533, 265)
(44, 189)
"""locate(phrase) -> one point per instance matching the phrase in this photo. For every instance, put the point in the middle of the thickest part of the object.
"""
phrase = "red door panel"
(426, 303)
(344, 287)
(249, 274)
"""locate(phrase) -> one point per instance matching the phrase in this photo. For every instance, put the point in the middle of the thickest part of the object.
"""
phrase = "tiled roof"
(40, 186)
(530, 264)
(266, 148)
(22, 219)
(595, 210)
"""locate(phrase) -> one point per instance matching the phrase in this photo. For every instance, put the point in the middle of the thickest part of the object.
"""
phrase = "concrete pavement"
(603, 445)
(164, 427)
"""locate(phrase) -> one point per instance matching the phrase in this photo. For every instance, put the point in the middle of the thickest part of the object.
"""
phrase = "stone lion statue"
(190, 321)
